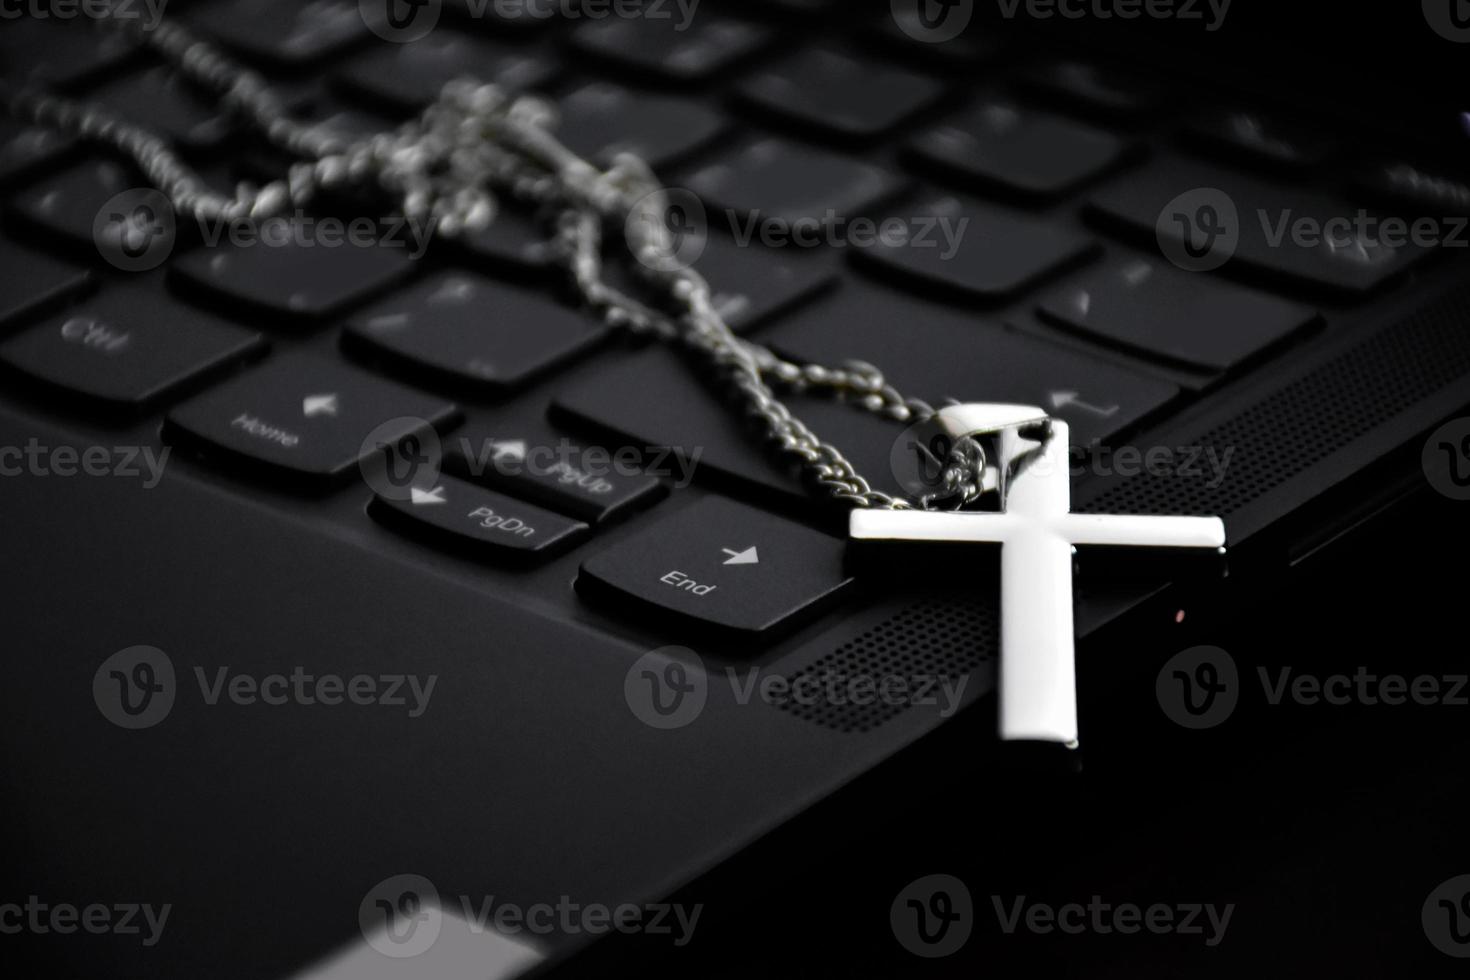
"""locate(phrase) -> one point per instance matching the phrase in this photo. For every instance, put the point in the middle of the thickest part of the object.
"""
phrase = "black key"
(752, 283)
(590, 485)
(841, 94)
(26, 150)
(1192, 319)
(128, 348)
(1019, 150)
(721, 564)
(308, 416)
(930, 351)
(475, 331)
(520, 15)
(1090, 88)
(1425, 190)
(1340, 257)
(67, 205)
(262, 164)
(161, 100)
(288, 32)
(671, 49)
(600, 120)
(909, 28)
(1254, 138)
(31, 282)
(515, 243)
(56, 53)
(302, 280)
(977, 251)
(468, 516)
(783, 182)
(407, 77)
(950, 355)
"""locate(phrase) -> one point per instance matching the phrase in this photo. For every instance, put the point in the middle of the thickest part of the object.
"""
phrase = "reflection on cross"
(1037, 533)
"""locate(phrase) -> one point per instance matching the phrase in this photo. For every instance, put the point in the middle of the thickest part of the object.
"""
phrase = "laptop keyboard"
(300, 364)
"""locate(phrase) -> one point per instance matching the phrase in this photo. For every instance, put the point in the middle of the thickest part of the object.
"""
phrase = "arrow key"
(306, 416)
(462, 514)
(722, 565)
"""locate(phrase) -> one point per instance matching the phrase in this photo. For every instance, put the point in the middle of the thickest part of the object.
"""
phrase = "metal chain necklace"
(444, 169)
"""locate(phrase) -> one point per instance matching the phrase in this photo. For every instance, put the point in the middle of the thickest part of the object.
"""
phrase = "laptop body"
(529, 771)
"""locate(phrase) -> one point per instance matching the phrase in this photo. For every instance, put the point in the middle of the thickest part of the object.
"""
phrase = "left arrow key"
(457, 513)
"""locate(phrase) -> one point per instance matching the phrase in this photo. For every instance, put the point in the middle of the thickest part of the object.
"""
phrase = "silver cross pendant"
(1037, 533)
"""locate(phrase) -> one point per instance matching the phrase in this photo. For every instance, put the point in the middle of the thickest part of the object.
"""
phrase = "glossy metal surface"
(1037, 532)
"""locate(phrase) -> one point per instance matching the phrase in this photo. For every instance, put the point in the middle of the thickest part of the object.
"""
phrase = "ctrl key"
(721, 565)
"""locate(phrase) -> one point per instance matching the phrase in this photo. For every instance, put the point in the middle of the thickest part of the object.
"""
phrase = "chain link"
(444, 168)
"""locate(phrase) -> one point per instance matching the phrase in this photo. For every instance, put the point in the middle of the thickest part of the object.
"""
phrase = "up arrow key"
(314, 405)
(747, 557)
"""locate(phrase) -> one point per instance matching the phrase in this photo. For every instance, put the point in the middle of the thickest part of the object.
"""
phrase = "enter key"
(723, 565)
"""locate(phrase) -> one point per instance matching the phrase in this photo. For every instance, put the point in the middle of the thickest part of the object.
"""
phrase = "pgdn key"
(463, 515)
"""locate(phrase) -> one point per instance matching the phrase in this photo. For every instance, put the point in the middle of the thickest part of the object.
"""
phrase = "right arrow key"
(723, 565)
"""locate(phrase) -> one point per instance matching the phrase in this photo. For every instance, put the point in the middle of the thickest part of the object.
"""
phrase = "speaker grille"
(945, 637)
(1303, 423)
